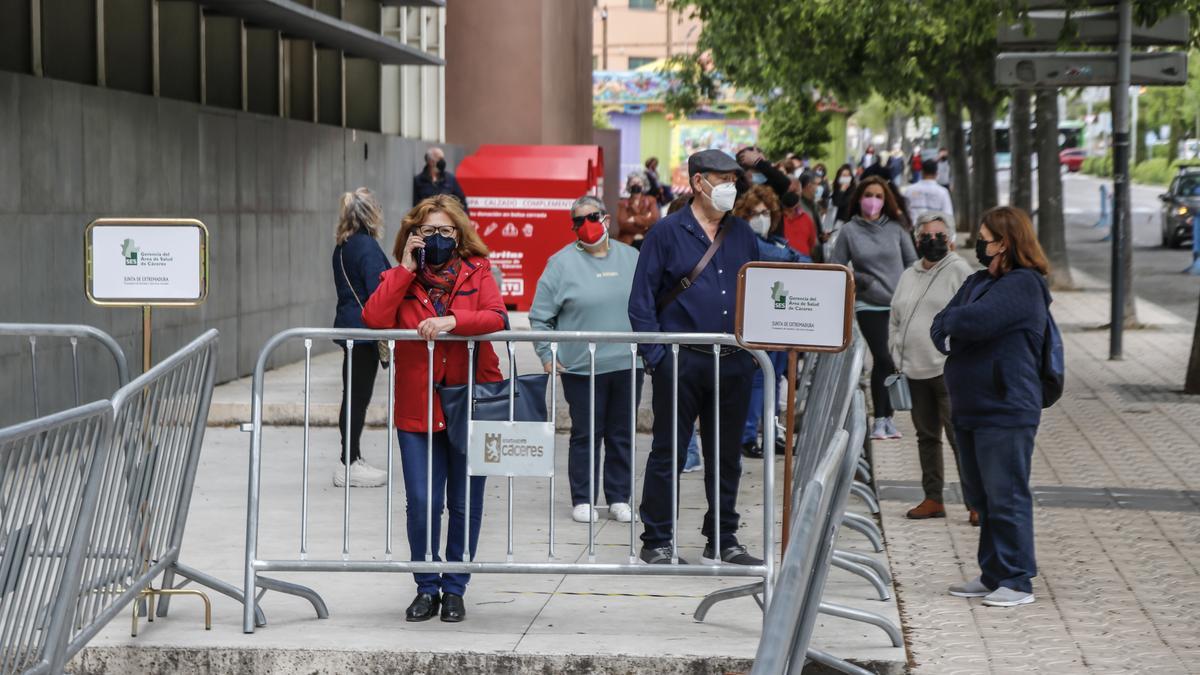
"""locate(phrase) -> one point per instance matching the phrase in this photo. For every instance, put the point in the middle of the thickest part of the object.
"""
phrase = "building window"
(639, 61)
(642, 4)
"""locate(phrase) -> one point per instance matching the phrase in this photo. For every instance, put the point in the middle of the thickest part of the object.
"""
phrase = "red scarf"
(439, 283)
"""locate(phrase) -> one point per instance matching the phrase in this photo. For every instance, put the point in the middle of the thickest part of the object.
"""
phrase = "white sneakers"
(620, 512)
(884, 429)
(361, 475)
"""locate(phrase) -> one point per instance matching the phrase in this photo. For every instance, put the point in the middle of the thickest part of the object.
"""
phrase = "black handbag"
(489, 402)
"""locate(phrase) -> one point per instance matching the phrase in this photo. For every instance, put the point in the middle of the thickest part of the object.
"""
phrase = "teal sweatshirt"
(580, 292)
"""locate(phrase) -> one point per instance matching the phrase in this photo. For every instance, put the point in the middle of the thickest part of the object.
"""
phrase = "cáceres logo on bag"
(496, 447)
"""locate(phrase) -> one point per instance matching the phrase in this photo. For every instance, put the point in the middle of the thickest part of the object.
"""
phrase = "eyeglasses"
(444, 230)
(594, 216)
(760, 212)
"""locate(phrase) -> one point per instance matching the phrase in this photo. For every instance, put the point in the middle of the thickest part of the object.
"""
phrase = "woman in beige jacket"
(923, 290)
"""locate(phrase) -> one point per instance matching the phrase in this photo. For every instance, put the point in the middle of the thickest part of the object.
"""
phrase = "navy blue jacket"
(993, 331)
(364, 261)
(669, 252)
(424, 186)
(776, 249)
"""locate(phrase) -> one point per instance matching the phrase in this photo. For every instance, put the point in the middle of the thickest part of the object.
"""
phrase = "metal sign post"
(146, 262)
(796, 307)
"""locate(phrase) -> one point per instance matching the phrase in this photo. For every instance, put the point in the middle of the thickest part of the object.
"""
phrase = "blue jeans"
(779, 361)
(447, 463)
(994, 462)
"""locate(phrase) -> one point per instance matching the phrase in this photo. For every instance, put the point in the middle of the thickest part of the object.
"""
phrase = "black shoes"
(732, 555)
(658, 556)
(751, 450)
(425, 606)
(453, 609)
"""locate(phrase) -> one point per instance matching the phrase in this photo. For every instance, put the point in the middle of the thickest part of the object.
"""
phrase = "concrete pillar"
(518, 72)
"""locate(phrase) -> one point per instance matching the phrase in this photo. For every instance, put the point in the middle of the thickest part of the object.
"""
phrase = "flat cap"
(711, 160)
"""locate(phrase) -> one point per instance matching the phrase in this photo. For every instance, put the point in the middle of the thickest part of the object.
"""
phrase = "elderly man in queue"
(686, 282)
(924, 289)
(434, 179)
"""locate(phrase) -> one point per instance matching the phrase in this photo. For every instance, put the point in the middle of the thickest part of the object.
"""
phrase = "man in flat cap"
(686, 282)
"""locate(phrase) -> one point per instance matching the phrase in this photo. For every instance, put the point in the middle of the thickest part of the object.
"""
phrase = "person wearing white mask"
(686, 282)
(584, 288)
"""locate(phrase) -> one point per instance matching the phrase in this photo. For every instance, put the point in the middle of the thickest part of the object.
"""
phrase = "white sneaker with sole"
(620, 512)
(971, 589)
(879, 430)
(361, 475)
(1007, 597)
(892, 431)
(582, 513)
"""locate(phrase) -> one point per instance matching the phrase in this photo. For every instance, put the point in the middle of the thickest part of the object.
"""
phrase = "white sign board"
(136, 261)
(511, 449)
(795, 306)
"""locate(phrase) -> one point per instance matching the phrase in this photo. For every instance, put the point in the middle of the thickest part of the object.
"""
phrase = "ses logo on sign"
(511, 449)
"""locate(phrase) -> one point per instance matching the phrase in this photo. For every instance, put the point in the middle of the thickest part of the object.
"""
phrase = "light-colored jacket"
(920, 295)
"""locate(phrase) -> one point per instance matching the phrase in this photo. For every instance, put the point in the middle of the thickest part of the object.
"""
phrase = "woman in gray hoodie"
(879, 249)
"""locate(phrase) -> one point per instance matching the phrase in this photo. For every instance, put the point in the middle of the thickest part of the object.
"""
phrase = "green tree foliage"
(793, 125)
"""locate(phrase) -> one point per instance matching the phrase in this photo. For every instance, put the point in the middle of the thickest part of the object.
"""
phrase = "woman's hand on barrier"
(548, 367)
(409, 260)
(431, 327)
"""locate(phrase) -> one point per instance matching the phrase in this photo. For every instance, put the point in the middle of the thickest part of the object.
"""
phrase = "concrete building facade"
(639, 32)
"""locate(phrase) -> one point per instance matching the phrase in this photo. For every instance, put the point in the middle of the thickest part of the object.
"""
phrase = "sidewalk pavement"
(1116, 472)
(516, 623)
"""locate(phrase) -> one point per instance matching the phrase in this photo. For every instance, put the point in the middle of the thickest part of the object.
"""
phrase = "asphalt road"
(1157, 271)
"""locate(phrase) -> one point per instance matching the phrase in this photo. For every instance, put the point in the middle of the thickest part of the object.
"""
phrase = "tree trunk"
(1021, 139)
(1191, 385)
(1173, 140)
(955, 144)
(1050, 224)
(983, 156)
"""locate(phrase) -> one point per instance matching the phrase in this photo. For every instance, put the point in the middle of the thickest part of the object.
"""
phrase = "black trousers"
(365, 366)
(874, 327)
(931, 416)
(613, 400)
(697, 398)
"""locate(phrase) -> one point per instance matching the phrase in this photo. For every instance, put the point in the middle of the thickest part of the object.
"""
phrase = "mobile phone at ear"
(420, 258)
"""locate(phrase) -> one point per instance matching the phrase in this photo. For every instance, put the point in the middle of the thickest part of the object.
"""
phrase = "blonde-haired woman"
(357, 263)
(443, 284)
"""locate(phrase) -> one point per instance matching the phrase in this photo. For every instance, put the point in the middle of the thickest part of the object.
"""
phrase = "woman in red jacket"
(442, 285)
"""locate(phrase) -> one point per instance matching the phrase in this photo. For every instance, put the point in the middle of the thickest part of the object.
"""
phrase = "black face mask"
(441, 164)
(635, 189)
(790, 200)
(981, 253)
(931, 248)
(439, 249)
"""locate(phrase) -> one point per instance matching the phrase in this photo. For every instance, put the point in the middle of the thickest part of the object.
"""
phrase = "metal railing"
(256, 565)
(159, 421)
(48, 495)
(35, 333)
(787, 631)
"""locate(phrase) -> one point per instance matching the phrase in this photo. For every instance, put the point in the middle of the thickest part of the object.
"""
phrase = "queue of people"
(968, 344)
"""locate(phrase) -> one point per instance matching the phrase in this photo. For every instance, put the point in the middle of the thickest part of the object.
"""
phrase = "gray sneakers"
(1007, 597)
(970, 589)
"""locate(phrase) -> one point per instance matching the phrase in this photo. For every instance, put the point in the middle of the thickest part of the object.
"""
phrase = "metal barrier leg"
(843, 612)
(830, 661)
(864, 474)
(755, 589)
(193, 574)
(865, 527)
(865, 572)
(880, 568)
(288, 587)
(863, 491)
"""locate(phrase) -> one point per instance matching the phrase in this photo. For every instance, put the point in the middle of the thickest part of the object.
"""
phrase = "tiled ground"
(1118, 588)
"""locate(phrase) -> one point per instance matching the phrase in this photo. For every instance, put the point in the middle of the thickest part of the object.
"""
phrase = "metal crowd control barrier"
(787, 631)
(712, 343)
(159, 421)
(48, 495)
(73, 333)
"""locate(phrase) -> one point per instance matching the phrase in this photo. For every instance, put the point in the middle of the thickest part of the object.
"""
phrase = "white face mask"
(761, 224)
(843, 180)
(723, 196)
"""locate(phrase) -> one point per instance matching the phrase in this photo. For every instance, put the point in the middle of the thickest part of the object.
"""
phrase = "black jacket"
(424, 187)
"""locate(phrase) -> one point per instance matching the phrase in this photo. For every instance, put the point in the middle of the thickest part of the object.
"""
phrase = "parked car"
(1181, 202)
(1072, 158)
